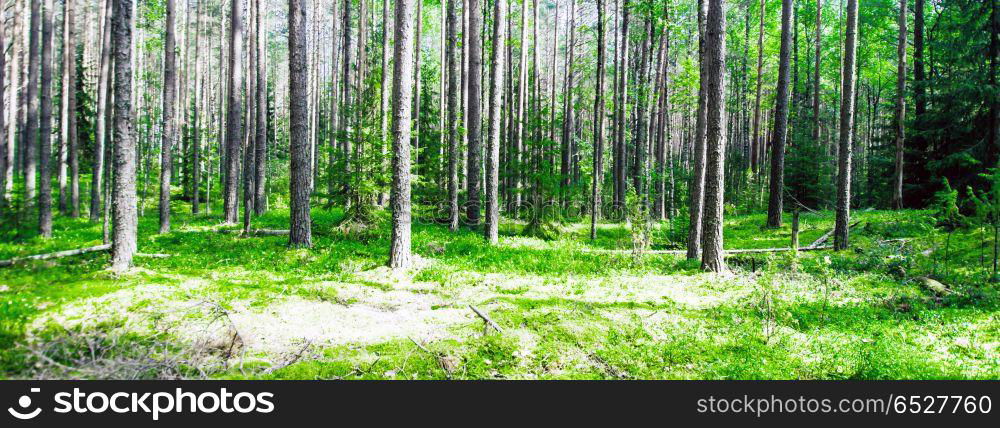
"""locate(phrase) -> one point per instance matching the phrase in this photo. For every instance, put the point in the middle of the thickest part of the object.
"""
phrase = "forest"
(494, 189)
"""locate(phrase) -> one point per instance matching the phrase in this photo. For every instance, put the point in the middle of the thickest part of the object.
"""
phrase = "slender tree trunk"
(168, 123)
(384, 93)
(196, 119)
(300, 234)
(69, 132)
(696, 203)
(453, 122)
(5, 158)
(522, 91)
(493, 142)
(345, 120)
(474, 112)
(775, 204)
(816, 76)
(45, 127)
(595, 202)
(260, 142)
(621, 75)
(31, 126)
(715, 56)
(756, 145)
(234, 117)
(417, 83)
(124, 212)
(402, 90)
(919, 80)
(897, 180)
(840, 235)
(565, 166)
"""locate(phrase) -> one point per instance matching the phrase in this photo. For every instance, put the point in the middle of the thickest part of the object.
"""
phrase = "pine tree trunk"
(493, 143)
(196, 119)
(599, 125)
(621, 75)
(840, 235)
(565, 171)
(168, 122)
(45, 127)
(69, 107)
(453, 122)
(697, 193)
(260, 148)
(715, 85)
(402, 86)
(919, 82)
(775, 204)
(31, 125)
(345, 120)
(234, 116)
(5, 158)
(124, 206)
(756, 145)
(817, 77)
(300, 234)
(474, 112)
(900, 122)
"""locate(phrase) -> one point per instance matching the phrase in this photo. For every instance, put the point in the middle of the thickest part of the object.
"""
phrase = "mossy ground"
(333, 312)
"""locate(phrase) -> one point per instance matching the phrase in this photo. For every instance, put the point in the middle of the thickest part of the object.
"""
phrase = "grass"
(333, 311)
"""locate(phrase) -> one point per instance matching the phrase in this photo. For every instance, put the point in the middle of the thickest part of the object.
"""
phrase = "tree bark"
(124, 208)
(621, 75)
(817, 78)
(31, 125)
(168, 122)
(69, 131)
(5, 158)
(298, 92)
(697, 193)
(474, 112)
(260, 147)
(565, 166)
(196, 119)
(402, 89)
(919, 88)
(234, 117)
(491, 231)
(900, 122)
(453, 122)
(599, 124)
(756, 145)
(45, 127)
(775, 204)
(715, 85)
(840, 235)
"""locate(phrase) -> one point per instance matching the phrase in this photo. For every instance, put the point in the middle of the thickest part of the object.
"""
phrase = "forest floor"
(225, 306)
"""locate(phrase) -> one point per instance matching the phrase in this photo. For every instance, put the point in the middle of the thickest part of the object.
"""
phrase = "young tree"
(234, 117)
(715, 136)
(45, 127)
(168, 120)
(124, 206)
(775, 204)
(301, 230)
(595, 201)
(900, 122)
(402, 93)
(474, 111)
(493, 143)
(840, 234)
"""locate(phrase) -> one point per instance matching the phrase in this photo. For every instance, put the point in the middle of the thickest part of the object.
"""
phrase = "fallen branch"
(827, 235)
(56, 255)
(153, 255)
(487, 319)
(260, 232)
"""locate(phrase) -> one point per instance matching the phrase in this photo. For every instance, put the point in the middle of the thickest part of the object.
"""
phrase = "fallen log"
(727, 252)
(260, 232)
(57, 254)
(827, 235)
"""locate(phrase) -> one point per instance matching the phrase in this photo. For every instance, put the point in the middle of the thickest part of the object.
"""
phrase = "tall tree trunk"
(5, 158)
(45, 127)
(816, 75)
(384, 93)
(840, 235)
(565, 166)
(168, 122)
(919, 88)
(124, 206)
(417, 83)
(402, 86)
(621, 74)
(68, 119)
(31, 126)
(522, 92)
(453, 122)
(491, 231)
(300, 234)
(696, 203)
(345, 120)
(474, 111)
(775, 204)
(897, 180)
(595, 200)
(196, 119)
(260, 148)
(715, 85)
(756, 145)
(234, 117)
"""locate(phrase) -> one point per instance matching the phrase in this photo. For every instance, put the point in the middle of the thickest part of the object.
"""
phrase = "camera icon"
(25, 403)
